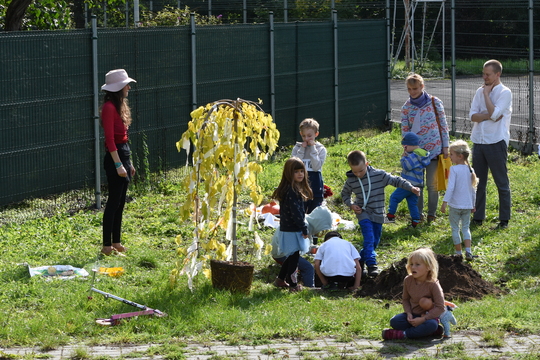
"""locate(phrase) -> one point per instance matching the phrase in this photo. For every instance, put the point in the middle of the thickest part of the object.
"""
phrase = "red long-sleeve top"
(113, 127)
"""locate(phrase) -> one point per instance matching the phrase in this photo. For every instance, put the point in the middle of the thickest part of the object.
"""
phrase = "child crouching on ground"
(337, 263)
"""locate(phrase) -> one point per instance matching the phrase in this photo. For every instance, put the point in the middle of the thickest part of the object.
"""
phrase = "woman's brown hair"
(120, 104)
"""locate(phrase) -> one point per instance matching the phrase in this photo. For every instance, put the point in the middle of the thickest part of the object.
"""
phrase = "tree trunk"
(77, 9)
(15, 14)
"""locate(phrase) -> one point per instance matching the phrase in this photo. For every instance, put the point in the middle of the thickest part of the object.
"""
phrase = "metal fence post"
(193, 63)
(104, 14)
(388, 64)
(136, 21)
(443, 37)
(244, 11)
(453, 60)
(272, 68)
(336, 76)
(127, 14)
(97, 154)
(530, 139)
(285, 12)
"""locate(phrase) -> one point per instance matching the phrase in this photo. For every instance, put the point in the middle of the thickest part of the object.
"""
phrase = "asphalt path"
(465, 89)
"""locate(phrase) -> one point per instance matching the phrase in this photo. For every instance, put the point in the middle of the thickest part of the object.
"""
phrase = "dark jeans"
(310, 205)
(343, 281)
(114, 209)
(399, 322)
(492, 157)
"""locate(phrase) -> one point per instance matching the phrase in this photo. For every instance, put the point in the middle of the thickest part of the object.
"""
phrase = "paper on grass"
(57, 271)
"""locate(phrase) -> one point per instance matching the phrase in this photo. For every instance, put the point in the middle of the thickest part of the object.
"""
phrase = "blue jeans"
(412, 202)
(399, 322)
(306, 270)
(456, 217)
(372, 235)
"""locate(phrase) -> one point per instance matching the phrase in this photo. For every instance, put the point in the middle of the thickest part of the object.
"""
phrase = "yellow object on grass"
(111, 271)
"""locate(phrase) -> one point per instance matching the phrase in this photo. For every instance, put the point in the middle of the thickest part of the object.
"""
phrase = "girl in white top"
(460, 196)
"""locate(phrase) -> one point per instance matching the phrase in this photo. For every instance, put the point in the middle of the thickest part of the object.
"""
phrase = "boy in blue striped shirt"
(413, 162)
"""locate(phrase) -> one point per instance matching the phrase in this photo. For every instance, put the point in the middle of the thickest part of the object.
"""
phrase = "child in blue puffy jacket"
(413, 162)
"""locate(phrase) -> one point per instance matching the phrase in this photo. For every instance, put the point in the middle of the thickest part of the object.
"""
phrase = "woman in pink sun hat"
(116, 119)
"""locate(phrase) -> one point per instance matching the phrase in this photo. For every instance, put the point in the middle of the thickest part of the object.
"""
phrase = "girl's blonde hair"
(287, 181)
(427, 256)
(462, 148)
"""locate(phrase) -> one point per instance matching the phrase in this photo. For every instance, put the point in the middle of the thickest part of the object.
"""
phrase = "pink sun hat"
(115, 80)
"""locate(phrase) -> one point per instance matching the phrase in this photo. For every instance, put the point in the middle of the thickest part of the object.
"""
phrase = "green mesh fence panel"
(363, 87)
(305, 76)
(47, 143)
(233, 62)
(159, 59)
(45, 113)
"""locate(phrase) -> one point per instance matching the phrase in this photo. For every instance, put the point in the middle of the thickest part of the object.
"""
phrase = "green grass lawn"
(50, 313)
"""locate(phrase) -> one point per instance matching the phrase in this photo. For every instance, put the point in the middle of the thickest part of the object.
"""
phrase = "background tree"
(35, 15)
(15, 14)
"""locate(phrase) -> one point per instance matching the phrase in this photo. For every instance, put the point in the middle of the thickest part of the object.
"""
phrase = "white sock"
(458, 252)
(468, 249)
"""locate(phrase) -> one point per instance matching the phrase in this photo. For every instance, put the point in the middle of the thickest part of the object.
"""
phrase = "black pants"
(112, 217)
(289, 267)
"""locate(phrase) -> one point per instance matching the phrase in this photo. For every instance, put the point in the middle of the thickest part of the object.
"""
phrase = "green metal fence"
(47, 142)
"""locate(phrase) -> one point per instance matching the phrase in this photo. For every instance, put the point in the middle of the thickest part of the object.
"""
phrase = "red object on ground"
(271, 208)
(327, 192)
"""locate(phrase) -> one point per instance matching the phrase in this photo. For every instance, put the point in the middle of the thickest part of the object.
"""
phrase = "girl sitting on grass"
(422, 281)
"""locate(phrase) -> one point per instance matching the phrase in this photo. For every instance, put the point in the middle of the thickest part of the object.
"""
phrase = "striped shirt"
(374, 207)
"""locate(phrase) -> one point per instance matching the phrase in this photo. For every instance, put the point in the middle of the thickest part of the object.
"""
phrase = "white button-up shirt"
(492, 131)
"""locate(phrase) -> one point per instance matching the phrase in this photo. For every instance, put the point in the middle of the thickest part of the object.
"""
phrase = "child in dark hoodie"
(413, 162)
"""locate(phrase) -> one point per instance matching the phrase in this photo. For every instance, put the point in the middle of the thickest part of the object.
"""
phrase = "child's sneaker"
(392, 334)
(280, 283)
(390, 219)
(415, 223)
(469, 256)
(373, 271)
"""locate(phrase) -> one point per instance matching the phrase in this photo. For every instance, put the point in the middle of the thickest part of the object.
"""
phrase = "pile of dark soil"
(457, 278)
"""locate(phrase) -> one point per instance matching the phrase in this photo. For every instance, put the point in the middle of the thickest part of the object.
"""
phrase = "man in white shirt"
(491, 111)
